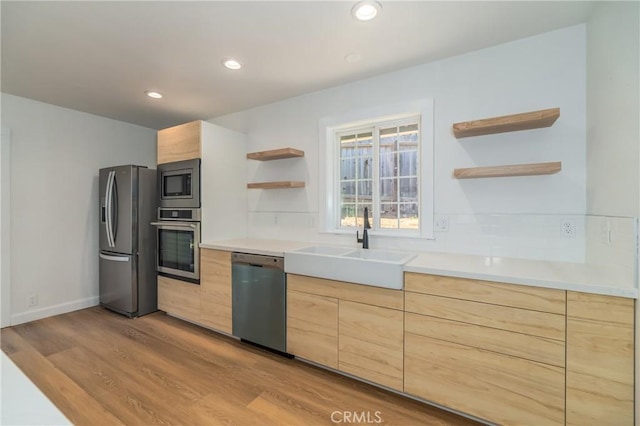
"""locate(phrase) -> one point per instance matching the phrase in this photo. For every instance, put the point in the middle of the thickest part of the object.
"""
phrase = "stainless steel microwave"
(179, 184)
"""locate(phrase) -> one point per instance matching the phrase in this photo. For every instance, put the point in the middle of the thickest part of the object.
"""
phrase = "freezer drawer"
(119, 282)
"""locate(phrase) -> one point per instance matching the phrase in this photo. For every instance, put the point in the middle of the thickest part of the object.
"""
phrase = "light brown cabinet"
(509, 354)
(350, 327)
(179, 298)
(492, 350)
(215, 289)
(180, 143)
(371, 343)
(312, 327)
(600, 360)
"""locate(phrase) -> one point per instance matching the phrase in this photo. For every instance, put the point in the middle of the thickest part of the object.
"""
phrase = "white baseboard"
(49, 311)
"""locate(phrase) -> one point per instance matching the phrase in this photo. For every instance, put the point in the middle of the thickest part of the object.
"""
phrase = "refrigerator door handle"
(114, 258)
(108, 201)
(114, 196)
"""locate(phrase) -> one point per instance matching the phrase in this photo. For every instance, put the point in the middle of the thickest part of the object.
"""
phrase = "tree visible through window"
(379, 170)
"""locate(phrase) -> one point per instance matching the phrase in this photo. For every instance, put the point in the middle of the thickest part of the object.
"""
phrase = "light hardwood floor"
(100, 368)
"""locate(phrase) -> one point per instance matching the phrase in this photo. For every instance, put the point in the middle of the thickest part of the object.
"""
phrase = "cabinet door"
(371, 343)
(179, 143)
(179, 298)
(492, 386)
(600, 356)
(312, 327)
(215, 289)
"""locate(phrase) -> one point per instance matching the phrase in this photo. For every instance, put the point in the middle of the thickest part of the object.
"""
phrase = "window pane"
(408, 137)
(348, 215)
(409, 216)
(348, 152)
(365, 168)
(389, 216)
(348, 169)
(348, 192)
(365, 189)
(388, 190)
(388, 140)
(408, 163)
(388, 165)
(409, 189)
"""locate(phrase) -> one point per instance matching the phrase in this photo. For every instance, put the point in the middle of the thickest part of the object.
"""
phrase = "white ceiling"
(100, 57)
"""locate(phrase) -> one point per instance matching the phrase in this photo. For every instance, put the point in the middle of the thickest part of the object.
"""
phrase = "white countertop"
(256, 246)
(561, 275)
(22, 403)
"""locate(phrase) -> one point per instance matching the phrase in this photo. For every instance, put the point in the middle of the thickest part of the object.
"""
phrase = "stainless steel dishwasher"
(259, 293)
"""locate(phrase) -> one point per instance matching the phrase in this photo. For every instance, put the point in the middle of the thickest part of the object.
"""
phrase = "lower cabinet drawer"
(520, 345)
(492, 386)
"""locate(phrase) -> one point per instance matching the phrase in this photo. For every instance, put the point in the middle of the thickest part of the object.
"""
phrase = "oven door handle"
(178, 224)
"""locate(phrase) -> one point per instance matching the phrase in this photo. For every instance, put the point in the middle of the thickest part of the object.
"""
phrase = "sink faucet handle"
(366, 218)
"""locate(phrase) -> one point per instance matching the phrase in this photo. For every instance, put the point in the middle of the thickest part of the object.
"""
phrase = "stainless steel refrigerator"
(128, 203)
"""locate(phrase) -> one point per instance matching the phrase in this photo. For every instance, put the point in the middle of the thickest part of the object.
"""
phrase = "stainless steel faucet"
(365, 236)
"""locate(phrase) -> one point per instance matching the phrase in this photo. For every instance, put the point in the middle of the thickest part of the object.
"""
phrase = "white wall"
(223, 187)
(544, 71)
(55, 157)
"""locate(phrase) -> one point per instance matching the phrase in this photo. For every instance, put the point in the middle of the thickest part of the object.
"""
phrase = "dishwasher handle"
(258, 260)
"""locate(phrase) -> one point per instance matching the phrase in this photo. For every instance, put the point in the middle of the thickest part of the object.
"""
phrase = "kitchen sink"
(327, 250)
(379, 268)
(381, 255)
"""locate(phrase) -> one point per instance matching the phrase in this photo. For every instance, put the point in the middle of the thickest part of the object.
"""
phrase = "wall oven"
(179, 184)
(178, 239)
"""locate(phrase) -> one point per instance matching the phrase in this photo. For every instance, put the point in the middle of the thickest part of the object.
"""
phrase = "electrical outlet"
(442, 224)
(568, 228)
(32, 300)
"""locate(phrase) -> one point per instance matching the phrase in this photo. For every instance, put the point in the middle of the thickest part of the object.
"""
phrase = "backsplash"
(612, 241)
(539, 237)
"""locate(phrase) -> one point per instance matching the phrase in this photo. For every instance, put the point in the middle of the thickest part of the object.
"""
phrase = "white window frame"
(330, 167)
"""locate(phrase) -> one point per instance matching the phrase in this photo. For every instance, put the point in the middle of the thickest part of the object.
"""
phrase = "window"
(380, 158)
(379, 171)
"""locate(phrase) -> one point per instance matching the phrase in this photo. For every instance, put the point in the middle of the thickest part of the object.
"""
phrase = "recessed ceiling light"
(231, 64)
(366, 10)
(154, 95)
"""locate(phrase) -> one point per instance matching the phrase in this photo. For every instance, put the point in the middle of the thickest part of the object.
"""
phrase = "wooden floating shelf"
(507, 123)
(275, 185)
(275, 154)
(509, 170)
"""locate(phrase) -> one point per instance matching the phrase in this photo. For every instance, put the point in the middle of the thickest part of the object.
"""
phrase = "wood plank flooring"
(100, 368)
